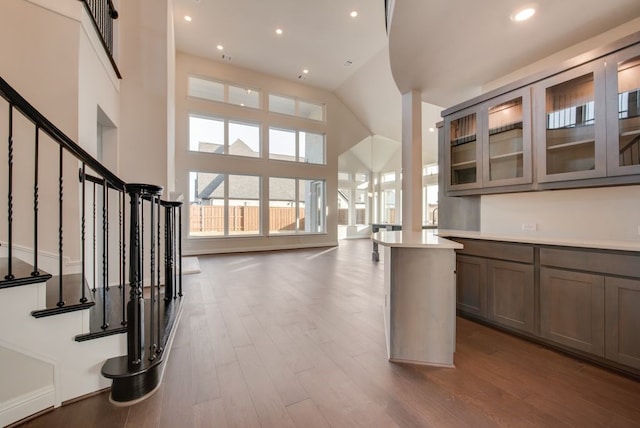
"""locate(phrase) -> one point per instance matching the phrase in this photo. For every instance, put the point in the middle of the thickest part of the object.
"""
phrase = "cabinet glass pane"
(463, 150)
(570, 110)
(629, 111)
(505, 140)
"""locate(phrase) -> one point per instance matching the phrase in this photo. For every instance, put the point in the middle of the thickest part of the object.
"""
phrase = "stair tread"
(21, 271)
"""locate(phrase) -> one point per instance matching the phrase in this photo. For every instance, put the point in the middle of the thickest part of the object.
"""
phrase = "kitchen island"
(420, 296)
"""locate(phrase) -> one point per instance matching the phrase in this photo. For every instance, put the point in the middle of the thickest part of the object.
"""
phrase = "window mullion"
(297, 204)
(226, 205)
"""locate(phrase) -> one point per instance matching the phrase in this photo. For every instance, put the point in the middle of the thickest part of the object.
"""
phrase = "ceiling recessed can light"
(279, 31)
(187, 18)
(353, 13)
(305, 71)
(220, 47)
(523, 14)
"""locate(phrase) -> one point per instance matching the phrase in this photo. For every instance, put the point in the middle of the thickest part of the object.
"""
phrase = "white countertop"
(531, 239)
(414, 239)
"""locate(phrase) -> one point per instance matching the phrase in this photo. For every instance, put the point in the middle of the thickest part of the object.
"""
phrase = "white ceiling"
(319, 35)
(448, 49)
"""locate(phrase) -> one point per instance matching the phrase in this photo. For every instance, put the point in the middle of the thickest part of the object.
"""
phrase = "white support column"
(351, 210)
(412, 161)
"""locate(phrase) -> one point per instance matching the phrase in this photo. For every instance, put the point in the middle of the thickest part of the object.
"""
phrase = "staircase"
(90, 272)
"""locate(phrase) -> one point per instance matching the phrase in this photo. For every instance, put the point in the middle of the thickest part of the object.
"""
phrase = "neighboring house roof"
(209, 185)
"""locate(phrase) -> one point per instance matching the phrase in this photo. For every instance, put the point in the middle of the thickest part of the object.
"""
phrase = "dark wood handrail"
(31, 113)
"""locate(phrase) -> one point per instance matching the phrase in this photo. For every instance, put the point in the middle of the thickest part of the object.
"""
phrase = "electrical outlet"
(529, 227)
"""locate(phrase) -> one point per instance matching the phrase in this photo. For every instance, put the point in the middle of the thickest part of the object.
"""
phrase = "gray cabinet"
(623, 112)
(495, 281)
(506, 151)
(572, 309)
(463, 149)
(572, 127)
(510, 294)
(471, 285)
(569, 127)
(580, 299)
(622, 315)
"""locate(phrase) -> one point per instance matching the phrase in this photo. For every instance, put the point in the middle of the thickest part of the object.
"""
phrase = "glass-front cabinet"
(464, 150)
(570, 125)
(578, 127)
(507, 140)
(623, 107)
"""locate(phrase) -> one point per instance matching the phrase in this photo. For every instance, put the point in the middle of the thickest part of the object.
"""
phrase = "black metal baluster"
(9, 274)
(159, 208)
(124, 261)
(36, 150)
(83, 299)
(174, 251)
(120, 282)
(180, 247)
(142, 243)
(168, 259)
(60, 229)
(105, 249)
(153, 348)
(95, 232)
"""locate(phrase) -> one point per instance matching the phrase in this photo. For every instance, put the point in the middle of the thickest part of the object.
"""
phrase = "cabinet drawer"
(615, 263)
(521, 253)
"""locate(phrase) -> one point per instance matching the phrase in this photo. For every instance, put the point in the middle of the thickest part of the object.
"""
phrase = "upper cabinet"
(581, 123)
(623, 110)
(464, 149)
(490, 144)
(570, 125)
(507, 135)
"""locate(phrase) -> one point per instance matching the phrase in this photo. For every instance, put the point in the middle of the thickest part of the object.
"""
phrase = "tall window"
(222, 136)
(296, 146)
(223, 204)
(296, 206)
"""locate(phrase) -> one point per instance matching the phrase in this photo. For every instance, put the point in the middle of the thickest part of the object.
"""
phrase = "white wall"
(609, 213)
(143, 63)
(342, 129)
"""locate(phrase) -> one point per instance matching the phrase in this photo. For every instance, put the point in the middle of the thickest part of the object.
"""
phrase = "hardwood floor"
(296, 339)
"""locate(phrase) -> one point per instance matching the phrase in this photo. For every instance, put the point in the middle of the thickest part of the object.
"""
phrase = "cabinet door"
(572, 309)
(463, 149)
(506, 154)
(510, 294)
(623, 321)
(623, 112)
(570, 125)
(471, 285)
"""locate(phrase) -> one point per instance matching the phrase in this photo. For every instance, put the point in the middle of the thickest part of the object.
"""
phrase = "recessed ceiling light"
(187, 18)
(305, 71)
(523, 14)
(354, 13)
(220, 47)
(431, 130)
(279, 31)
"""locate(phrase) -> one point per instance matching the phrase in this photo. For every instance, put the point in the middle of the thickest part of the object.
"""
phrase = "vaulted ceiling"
(447, 49)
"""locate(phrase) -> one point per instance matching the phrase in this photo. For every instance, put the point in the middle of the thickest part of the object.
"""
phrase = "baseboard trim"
(26, 405)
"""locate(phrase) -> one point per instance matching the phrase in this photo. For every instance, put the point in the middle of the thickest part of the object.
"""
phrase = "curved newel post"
(135, 306)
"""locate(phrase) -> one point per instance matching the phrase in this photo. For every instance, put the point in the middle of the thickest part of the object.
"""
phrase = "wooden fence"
(210, 219)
